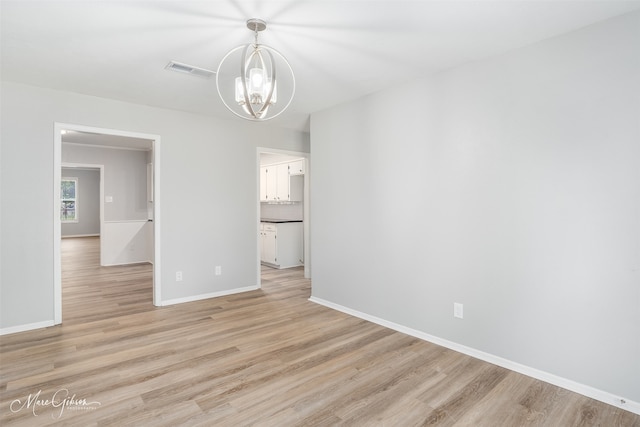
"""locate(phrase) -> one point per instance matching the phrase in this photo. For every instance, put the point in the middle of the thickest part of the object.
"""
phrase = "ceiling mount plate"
(255, 24)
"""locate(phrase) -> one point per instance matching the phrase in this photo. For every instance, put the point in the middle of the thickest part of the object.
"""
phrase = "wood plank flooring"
(265, 358)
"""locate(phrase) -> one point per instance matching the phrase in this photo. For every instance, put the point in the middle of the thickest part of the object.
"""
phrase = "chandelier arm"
(267, 101)
(265, 105)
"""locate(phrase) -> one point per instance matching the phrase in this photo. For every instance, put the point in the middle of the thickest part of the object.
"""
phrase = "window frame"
(75, 200)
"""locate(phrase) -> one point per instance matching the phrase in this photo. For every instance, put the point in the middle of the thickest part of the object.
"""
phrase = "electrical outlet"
(458, 310)
(218, 270)
(178, 276)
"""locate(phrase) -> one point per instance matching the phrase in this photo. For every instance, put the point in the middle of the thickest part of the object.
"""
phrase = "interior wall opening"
(283, 210)
(128, 233)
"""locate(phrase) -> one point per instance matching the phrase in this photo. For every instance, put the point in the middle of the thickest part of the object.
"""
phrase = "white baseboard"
(585, 390)
(24, 328)
(207, 296)
(127, 263)
(68, 236)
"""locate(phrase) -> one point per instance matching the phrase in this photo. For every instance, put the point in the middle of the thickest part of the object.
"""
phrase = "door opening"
(277, 169)
(84, 143)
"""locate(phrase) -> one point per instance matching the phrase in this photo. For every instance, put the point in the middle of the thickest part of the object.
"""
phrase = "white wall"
(209, 194)
(126, 242)
(291, 211)
(88, 203)
(125, 178)
(511, 185)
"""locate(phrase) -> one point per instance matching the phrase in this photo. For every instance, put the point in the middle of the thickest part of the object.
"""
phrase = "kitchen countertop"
(279, 221)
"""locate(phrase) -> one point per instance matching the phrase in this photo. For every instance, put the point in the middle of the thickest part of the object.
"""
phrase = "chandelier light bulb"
(256, 87)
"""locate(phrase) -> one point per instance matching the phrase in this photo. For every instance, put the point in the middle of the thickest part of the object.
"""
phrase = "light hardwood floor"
(268, 357)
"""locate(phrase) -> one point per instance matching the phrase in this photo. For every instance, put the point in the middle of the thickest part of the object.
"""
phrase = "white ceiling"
(339, 49)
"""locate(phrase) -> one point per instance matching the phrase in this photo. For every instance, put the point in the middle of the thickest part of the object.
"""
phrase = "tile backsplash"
(290, 211)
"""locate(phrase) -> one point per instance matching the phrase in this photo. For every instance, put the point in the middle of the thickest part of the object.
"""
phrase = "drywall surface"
(209, 193)
(125, 176)
(510, 185)
(127, 242)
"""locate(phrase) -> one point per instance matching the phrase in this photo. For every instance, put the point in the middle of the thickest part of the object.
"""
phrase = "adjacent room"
(277, 212)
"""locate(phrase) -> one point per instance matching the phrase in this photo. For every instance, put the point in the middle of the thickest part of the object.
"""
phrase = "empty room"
(319, 213)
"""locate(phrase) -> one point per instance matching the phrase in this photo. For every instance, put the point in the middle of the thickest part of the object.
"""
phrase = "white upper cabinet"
(268, 183)
(263, 184)
(277, 185)
(297, 167)
(282, 184)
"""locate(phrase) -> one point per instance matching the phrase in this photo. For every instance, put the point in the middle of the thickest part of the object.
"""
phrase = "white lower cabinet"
(268, 240)
(281, 244)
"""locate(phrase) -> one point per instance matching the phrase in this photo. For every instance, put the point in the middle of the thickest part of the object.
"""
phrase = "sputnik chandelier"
(265, 85)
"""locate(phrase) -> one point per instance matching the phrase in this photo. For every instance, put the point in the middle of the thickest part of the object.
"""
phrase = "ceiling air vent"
(179, 67)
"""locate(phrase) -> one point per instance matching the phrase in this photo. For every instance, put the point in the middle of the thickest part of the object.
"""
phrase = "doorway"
(274, 156)
(114, 140)
(88, 180)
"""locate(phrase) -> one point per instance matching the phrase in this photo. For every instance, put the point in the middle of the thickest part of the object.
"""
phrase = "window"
(69, 200)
